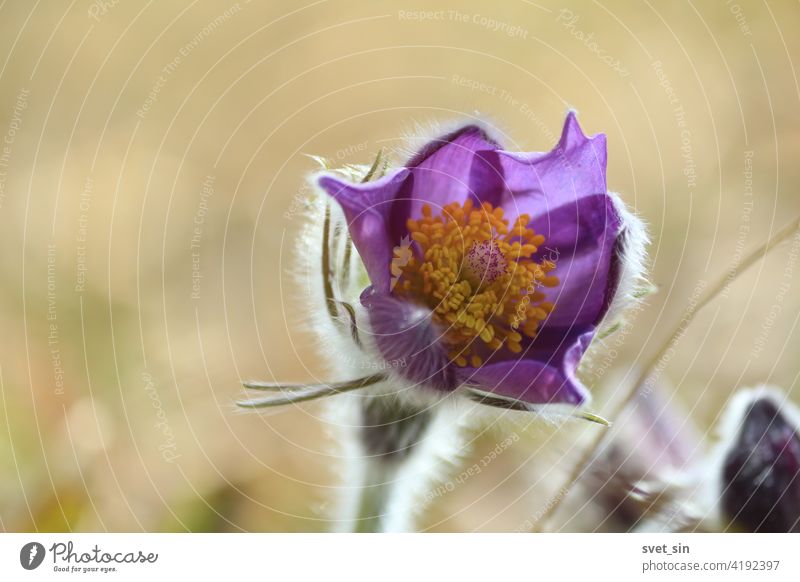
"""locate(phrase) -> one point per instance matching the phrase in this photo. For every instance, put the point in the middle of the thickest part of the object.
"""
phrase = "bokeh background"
(152, 164)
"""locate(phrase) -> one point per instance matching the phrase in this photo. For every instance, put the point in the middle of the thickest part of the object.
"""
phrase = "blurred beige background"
(151, 157)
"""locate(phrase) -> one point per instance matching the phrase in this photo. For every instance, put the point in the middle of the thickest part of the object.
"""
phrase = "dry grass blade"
(293, 393)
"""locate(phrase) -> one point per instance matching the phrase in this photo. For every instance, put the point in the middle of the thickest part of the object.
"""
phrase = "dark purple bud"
(761, 472)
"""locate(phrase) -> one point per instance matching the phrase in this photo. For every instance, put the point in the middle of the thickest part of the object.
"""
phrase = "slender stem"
(327, 274)
(375, 495)
(709, 295)
(390, 435)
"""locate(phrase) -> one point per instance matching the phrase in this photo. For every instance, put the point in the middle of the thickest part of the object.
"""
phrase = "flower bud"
(761, 470)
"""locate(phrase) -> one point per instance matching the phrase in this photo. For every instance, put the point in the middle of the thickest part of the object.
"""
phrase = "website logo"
(31, 555)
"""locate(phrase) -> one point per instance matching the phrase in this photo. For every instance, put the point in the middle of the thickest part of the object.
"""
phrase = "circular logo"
(31, 555)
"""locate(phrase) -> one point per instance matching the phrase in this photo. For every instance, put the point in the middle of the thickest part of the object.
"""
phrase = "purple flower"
(492, 269)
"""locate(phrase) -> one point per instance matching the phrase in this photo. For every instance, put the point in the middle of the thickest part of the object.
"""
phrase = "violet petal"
(408, 340)
(367, 208)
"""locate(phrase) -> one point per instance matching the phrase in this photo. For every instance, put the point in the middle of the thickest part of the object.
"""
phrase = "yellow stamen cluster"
(481, 314)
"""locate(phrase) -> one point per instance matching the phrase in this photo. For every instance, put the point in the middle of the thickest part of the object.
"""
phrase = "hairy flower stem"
(389, 434)
(374, 496)
(710, 293)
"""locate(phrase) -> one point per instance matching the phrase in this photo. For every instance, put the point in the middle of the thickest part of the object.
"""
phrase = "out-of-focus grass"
(263, 85)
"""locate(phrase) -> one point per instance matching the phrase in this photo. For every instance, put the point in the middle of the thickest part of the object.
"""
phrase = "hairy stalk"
(398, 454)
(374, 494)
(390, 433)
(709, 295)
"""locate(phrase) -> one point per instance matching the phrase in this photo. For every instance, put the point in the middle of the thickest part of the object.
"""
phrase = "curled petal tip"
(573, 136)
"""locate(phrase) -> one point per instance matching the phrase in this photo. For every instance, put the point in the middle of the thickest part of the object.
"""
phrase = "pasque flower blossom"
(492, 269)
(468, 270)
